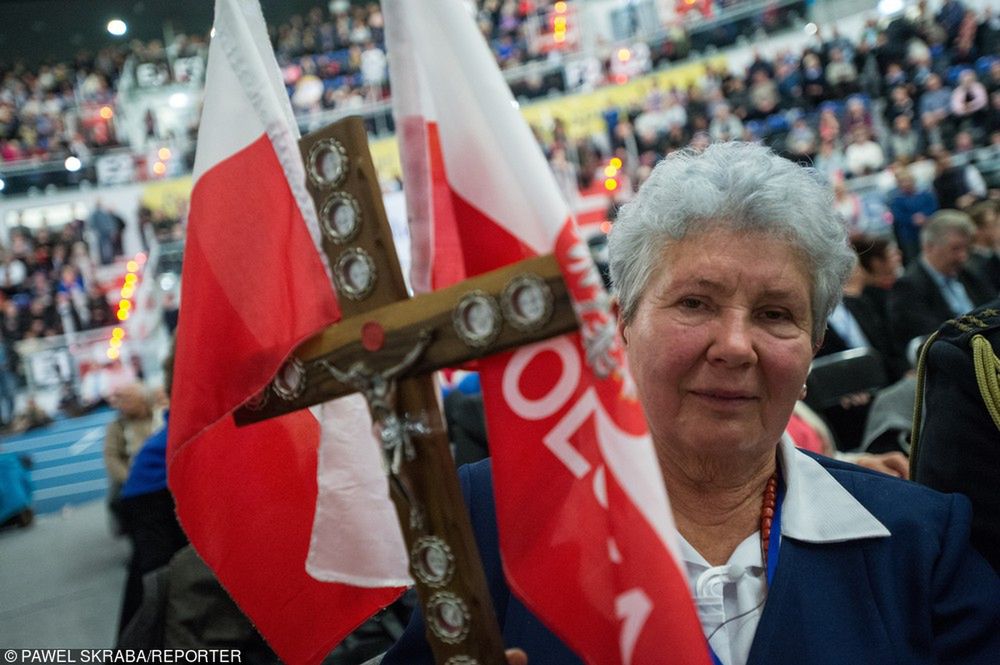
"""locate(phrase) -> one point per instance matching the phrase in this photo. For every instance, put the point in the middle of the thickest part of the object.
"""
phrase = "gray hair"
(739, 187)
(943, 223)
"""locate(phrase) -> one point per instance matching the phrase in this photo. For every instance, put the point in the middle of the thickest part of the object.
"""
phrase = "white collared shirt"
(730, 598)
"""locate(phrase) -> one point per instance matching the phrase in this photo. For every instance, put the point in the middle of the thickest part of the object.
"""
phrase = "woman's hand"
(516, 657)
(893, 464)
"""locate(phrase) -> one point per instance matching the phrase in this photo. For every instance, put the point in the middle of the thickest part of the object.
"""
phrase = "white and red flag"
(307, 549)
(586, 534)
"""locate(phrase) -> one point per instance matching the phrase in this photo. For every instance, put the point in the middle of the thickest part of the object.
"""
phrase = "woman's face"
(721, 343)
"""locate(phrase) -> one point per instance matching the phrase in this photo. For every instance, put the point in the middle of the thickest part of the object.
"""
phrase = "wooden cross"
(385, 347)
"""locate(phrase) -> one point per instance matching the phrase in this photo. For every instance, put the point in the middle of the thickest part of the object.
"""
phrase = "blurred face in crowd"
(949, 254)
(720, 344)
(885, 268)
(906, 182)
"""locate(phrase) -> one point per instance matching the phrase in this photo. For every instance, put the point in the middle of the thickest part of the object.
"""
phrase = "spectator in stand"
(950, 17)
(968, 100)
(857, 116)
(881, 261)
(863, 155)
(100, 312)
(12, 272)
(935, 110)
(125, 435)
(992, 124)
(725, 126)
(841, 75)
(984, 256)
(903, 141)
(13, 321)
(830, 161)
(828, 125)
(814, 89)
(789, 81)
(937, 286)
(848, 207)
(910, 208)
(102, 223)
(857, 322)
(801, 140)
(764, 96)
(992, 82)
(963, 50)
(956, 186)
(899, 104)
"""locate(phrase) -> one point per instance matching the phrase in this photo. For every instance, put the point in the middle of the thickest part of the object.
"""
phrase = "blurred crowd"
(332, 57)
(925, 85)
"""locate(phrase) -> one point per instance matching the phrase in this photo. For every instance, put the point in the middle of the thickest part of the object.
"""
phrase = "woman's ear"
(819, 344)
(616, 311)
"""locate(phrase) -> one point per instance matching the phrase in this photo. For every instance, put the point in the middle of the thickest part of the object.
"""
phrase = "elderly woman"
(727, 264)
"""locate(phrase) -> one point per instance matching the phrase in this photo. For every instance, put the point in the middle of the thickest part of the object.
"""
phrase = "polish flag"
(586, 533)
(261, 504)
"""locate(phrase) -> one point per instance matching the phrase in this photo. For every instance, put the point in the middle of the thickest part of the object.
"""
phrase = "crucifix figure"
(385, 346)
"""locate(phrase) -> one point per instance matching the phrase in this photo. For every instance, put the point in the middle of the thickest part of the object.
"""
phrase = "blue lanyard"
(773, 543)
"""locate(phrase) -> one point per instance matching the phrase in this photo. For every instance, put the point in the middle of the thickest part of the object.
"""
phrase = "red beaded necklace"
(767, 515)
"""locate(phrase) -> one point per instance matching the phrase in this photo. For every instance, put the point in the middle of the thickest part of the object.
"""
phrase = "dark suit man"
(984, 259)
(936, 287)
(876, 331)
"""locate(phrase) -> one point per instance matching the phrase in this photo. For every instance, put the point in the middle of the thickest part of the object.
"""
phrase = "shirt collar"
(940, 279)
(817, 508)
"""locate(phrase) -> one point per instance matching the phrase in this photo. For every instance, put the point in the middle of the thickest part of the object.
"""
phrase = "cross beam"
(385, 346)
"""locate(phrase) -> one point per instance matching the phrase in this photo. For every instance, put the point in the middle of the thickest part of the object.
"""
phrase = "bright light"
(118, 333)
(559, 23)
(115, 343)
(178, 100)
(163, 153)
(624, 55)
(117, 27)
(127, 292)
(122, 315)
(610, 184)
(141, 257)
(810, 28)
(888, 7)
(72, 164)
(559, 36)
(131, 266)
(615, 162)
(159, 168)
(124, 305)
(107, 112)
(130, 278)
(168, 281)
(610, 171)
(515, 104)
(113, 354)
(2, 184)
(605, 227)
(211, 33)
(560, 7)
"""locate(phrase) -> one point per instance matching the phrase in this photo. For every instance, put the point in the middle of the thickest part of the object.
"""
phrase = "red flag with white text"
(261, 504)
(586, 534)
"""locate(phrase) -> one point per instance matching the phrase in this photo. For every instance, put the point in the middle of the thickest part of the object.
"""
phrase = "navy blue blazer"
(922, 595)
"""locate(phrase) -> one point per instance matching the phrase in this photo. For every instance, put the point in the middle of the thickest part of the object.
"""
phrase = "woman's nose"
(732, 339)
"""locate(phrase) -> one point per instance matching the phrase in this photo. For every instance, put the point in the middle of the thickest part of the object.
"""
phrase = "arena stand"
(606, 103)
